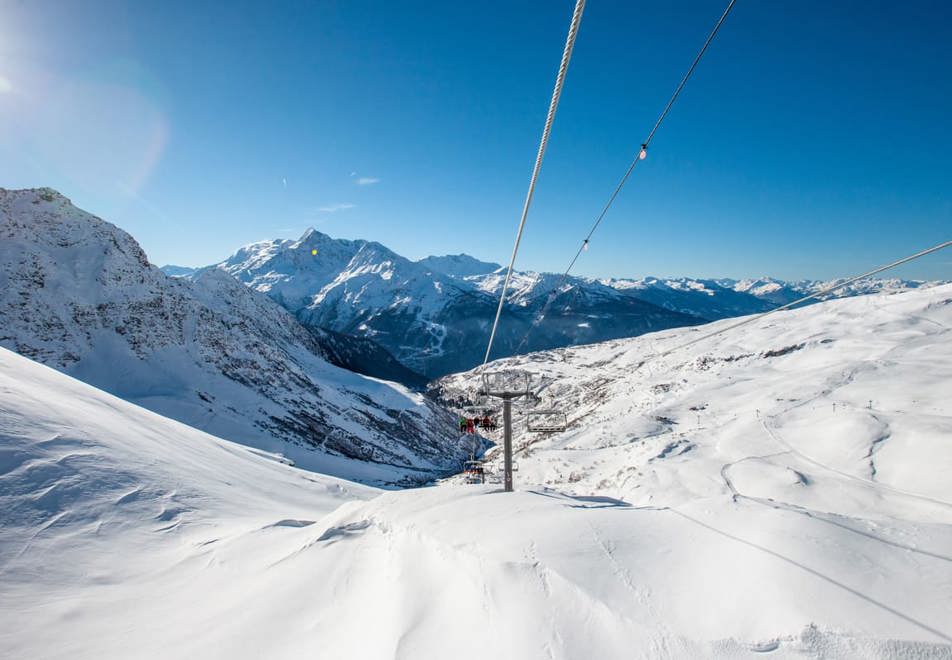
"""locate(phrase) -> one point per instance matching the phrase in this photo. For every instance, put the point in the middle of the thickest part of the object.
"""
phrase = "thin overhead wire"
(553, 104)
(640, 155)
(822, 292)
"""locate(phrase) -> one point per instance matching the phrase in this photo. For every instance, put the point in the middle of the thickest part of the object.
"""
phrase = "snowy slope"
(748, 538)
(805, 456)
(80, 295)
(863, 354)
(107, 509)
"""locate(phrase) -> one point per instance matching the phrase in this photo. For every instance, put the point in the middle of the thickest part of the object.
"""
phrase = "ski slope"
(776, 528)
(812, 447)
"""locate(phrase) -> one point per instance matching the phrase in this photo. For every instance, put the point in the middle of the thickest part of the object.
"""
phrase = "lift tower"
(506, 385)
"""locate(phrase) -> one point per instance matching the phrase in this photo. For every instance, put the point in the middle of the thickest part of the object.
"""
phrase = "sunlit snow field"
(780, 491)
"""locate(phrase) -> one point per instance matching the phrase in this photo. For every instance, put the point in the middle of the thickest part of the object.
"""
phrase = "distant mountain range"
(79, 295)
(434, 315)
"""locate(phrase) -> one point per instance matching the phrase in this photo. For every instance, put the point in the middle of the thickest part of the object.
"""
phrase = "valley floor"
(739, 501)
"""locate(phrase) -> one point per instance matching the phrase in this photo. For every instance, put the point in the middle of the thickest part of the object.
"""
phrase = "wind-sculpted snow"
(780, 528)
(80, 295)
(99, 502)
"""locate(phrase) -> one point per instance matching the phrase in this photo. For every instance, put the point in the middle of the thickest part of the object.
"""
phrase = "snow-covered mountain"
(178, 271)
(433, 315)
(434, 322)
(706, 299)
(459, 265)
(780, 491)
(80, 295)
(779, 292)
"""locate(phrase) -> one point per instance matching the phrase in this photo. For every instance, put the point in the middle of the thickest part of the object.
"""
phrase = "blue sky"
(814, 140)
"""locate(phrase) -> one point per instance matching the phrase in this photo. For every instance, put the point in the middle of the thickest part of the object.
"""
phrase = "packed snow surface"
(713, 503)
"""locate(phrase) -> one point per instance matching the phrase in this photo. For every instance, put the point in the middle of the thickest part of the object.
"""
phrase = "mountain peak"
(459, 265)
(36, 195)
(308, 233)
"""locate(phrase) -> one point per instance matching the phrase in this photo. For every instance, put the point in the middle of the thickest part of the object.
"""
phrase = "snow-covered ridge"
(80, 295)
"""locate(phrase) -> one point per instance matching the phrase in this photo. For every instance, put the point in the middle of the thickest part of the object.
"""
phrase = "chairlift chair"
(475, 472)
(480, 414)
(546, 421)
(511, 382)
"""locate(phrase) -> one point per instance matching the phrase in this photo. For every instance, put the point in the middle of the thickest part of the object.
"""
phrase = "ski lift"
(546, 421)
(474, 472)
(483, 417)
(488, 423)
(505, 384)
(498, 467)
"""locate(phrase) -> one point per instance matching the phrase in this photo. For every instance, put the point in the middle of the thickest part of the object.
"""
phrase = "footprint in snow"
(765, 647)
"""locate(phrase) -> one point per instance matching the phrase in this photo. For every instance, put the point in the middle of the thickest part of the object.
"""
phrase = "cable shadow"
(596, 501)
(811, 571)
(820, 516)
(815, 515)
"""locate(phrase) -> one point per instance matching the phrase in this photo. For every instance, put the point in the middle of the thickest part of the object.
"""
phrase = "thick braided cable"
(624, 179)
(556, 94)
